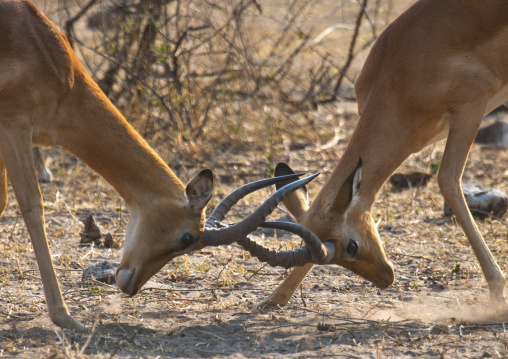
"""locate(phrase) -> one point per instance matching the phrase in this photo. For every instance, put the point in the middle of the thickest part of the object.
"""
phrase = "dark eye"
(186, 240)
(352, 248)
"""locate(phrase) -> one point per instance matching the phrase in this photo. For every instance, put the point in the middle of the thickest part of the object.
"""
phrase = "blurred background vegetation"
(200, 78)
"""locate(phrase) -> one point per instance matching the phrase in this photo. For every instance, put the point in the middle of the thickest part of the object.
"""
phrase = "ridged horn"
(238, 231)
(321, 253)
(219, 213)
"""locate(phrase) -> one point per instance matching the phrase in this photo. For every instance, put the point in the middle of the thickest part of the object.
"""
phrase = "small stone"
(439, 329)
(109, 242)
(91, 232)
(495, 134)
(101, 272)
(325, 327)
(90, 225)
(482, 202)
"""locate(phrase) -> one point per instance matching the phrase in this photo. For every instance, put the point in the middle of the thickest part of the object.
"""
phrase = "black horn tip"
(293, 186)
(311, 177)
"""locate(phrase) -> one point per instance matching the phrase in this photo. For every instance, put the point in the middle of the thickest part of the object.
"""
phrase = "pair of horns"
(217, 234)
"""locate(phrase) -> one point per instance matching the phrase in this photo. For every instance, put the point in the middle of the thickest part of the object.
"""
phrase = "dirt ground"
(199, 305)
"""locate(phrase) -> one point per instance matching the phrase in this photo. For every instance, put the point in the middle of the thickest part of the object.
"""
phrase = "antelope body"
(432, 74)
(48, 98)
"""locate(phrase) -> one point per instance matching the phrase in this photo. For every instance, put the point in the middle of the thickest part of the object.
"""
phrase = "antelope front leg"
(3, 186)
(16, 152)
(457, 148)
(285, 291)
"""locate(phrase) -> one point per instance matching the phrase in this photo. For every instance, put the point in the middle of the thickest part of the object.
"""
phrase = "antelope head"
(342, 217)
(165, 228)
(172, 228)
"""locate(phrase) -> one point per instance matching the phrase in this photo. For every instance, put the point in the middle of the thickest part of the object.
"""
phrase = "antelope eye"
(352, 248)
(186, 241)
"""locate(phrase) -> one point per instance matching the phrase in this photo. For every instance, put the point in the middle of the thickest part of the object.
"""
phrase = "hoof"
(499, 304)
(68, 322)
(266, 304)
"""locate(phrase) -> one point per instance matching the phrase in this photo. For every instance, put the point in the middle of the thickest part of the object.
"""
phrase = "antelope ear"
(297, 202)
(199, 190)
(348, 190)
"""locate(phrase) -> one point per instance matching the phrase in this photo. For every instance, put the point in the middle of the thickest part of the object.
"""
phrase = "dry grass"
(199, 305)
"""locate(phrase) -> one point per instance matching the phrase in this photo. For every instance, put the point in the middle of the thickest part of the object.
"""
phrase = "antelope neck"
(375, 168)
(97, 133)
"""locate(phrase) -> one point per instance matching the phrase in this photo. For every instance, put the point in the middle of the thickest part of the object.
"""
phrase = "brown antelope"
(432, 74)
(48, 98)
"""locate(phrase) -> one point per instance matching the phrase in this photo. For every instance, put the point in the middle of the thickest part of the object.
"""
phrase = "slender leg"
(463, 127)
(16, 152)
(285, 291)
(3, 186)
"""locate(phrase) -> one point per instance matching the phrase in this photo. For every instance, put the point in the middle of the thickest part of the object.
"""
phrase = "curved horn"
(230, 200)
(321, 253)
(287, 259)
(228, 235)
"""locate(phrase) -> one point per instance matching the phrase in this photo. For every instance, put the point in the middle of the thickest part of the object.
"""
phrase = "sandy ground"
(200, 305)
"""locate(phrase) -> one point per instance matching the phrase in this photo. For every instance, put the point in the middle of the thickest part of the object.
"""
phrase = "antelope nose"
(124, 279)
(387, 277)
(390, 275)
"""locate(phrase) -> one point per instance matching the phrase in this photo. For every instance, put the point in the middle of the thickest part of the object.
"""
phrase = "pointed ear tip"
(283, 169)
(206, 172)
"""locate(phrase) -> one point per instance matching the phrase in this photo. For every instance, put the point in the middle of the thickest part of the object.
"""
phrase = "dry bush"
(183, 69)
(247, 87)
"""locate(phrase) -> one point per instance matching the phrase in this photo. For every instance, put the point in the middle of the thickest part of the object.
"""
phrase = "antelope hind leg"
(459, 141)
